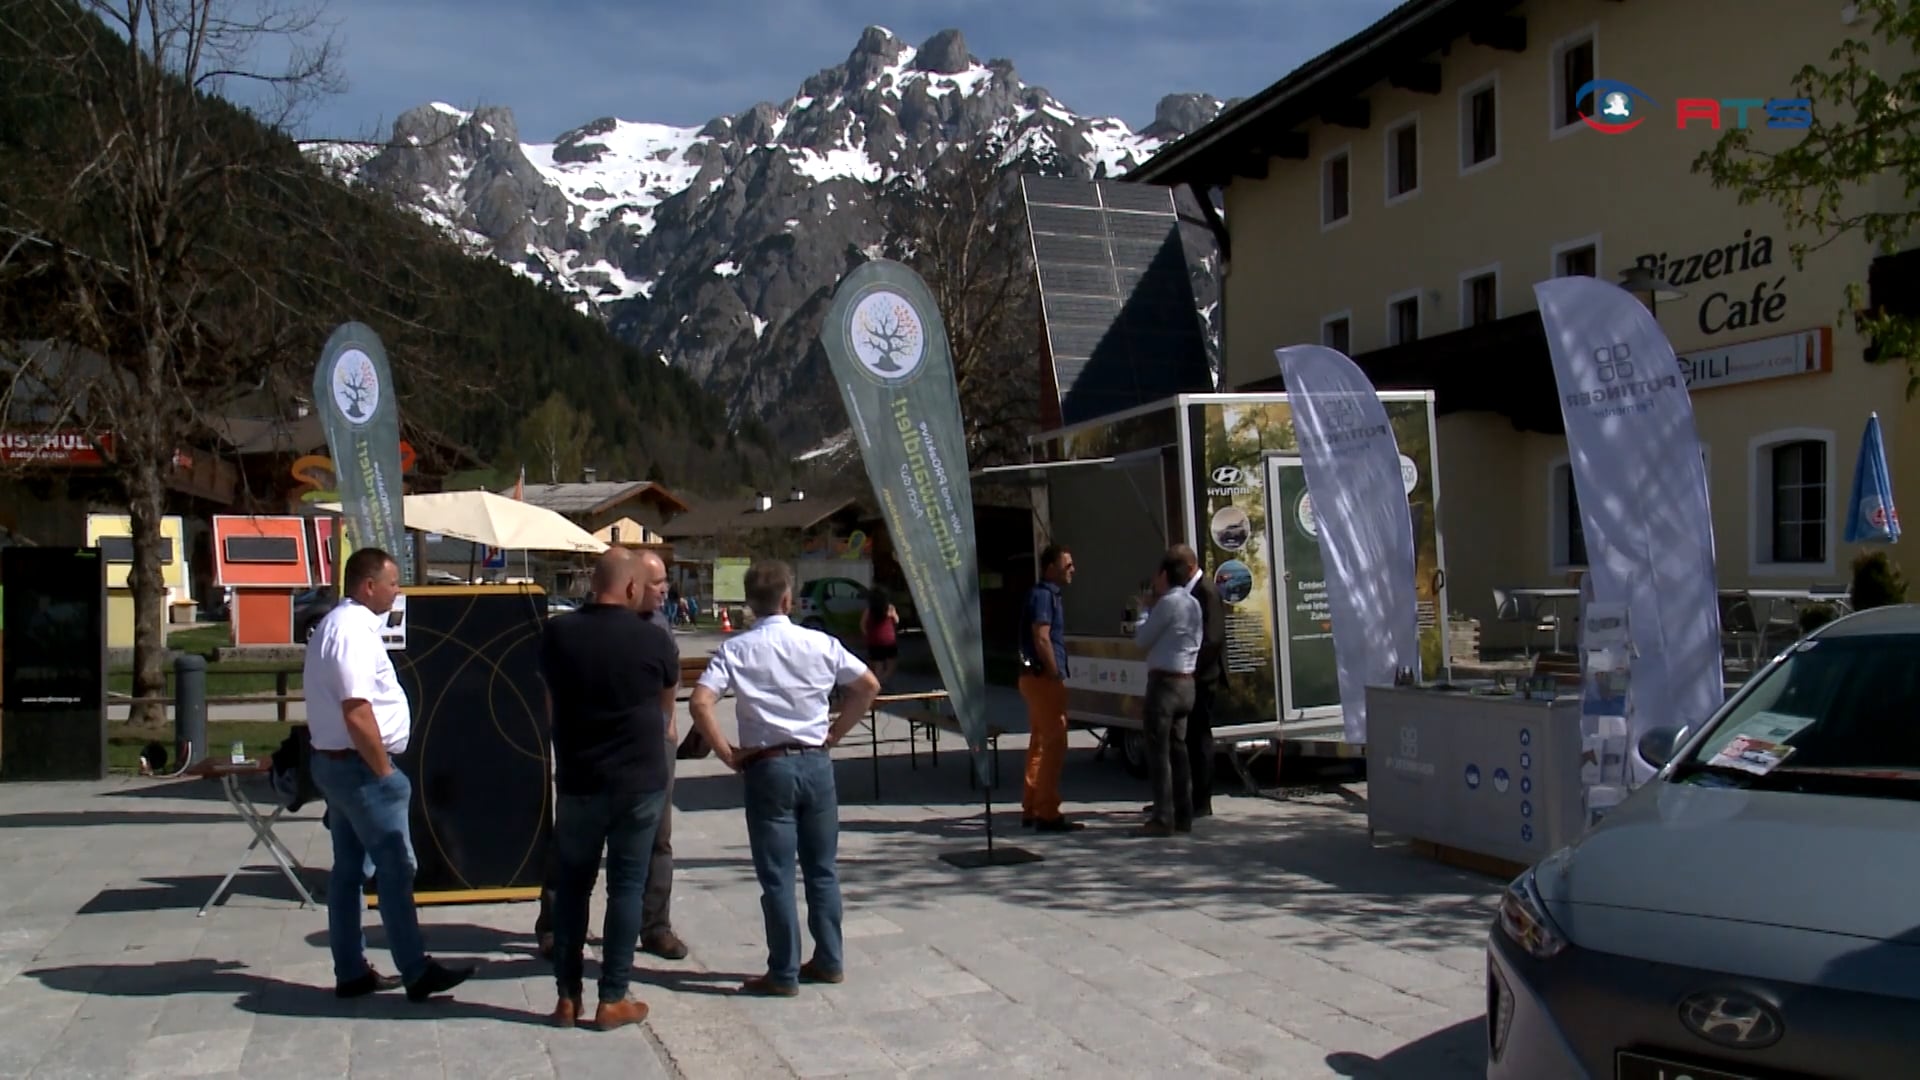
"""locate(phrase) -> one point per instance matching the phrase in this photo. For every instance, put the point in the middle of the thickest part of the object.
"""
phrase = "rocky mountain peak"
(1182, 114)
(877, 50)
(945, 53)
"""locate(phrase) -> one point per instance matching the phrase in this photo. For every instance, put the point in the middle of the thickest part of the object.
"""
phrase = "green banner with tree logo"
(354, 393)
(889, 354)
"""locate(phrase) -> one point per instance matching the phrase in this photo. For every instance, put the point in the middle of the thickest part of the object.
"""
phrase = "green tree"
(1863, 145)
(554, 438)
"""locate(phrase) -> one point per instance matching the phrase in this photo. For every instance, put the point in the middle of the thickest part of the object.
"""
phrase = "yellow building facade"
(1399, 196)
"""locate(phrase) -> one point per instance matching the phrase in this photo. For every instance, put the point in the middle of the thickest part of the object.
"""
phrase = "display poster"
(53, 663)
(1312, 672)
(730, 580)
(359, 408)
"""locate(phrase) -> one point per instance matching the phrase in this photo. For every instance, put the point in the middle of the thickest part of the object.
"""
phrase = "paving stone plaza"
(1274, 941)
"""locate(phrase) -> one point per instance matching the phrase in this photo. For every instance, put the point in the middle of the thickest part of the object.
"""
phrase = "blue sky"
(559, 64)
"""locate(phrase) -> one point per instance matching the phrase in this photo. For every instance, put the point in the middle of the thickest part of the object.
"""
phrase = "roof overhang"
(1398, 47)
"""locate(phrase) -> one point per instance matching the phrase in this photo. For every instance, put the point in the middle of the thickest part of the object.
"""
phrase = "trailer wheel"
(1133, 753)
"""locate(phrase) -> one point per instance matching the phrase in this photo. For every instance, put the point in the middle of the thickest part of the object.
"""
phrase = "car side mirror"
(1658, 745)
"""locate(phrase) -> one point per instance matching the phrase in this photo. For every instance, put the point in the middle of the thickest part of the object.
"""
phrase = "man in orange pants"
(1043, 656)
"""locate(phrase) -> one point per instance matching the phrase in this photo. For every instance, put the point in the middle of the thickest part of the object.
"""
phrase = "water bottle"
(239, 751)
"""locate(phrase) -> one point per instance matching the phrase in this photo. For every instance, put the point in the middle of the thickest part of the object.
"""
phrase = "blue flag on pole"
(1870, 513)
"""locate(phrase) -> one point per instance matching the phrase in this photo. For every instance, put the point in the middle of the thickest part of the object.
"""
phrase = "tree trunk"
(146, 505)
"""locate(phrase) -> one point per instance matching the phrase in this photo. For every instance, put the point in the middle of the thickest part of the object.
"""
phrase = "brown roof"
(594, 498)
(738, 515)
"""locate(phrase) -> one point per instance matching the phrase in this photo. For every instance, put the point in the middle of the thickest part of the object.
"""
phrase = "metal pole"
(190, 708)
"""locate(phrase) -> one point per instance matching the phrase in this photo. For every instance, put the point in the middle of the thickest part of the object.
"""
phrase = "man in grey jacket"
(1170, 633)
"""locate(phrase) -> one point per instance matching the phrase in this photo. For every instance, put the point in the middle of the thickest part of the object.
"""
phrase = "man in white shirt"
(780, 676)
(358, 719)
(1169, 633)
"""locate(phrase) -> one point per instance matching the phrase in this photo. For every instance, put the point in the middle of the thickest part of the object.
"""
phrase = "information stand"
(1606, 703)
(53, 678)
(264, 561)
(113, 535)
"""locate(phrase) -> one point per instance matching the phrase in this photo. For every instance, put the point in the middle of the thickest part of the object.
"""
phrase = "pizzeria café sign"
(1753, 361)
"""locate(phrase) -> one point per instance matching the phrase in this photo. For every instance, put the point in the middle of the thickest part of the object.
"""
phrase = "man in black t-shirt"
(610, 679)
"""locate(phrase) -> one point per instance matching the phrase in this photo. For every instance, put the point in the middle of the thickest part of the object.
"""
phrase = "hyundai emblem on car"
(1732, 1019)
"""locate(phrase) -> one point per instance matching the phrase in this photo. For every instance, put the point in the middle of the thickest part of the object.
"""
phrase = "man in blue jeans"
(780, 676)
(358, 719)
(610, 678)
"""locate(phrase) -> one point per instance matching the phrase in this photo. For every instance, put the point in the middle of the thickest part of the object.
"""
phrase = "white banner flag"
(1359, 497)
(1642, 488)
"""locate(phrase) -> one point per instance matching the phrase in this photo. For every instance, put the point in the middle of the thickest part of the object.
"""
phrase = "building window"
(1479, 296)
(1403, 319)
(1581, 258)
(1573, 68)
(1567, 547)
(1403, 160)
(1479, 125)
(1336, 332)
(1792, 497)
(1336, 188)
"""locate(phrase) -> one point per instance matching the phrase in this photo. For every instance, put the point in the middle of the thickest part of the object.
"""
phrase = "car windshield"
(1840, 715)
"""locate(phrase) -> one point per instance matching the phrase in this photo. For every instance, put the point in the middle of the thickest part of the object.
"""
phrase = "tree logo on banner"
(356, 386)
(889, 337)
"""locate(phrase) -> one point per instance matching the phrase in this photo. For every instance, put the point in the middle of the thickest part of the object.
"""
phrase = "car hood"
(1832, 864)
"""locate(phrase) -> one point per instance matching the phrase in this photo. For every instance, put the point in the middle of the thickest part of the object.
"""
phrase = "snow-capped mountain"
(717, 248)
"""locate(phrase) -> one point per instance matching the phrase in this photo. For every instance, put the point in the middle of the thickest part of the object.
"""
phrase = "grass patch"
(230, 678)
(202, 639)
(260, 738)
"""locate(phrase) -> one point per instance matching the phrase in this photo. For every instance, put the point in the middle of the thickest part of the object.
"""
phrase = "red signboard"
(70, 448)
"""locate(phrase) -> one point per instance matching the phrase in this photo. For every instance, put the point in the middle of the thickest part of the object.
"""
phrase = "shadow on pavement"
(82, 818)
(259, 994)
(1460, 1050)
(188, 893)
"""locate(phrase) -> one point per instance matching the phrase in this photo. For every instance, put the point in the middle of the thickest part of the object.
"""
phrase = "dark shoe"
(1183, 827)
(567, 1013)
(1203, 811)
(613, 1014)
(666, 944)
(812, 972)
(366, 984)
(1027, 820)
(1058, 824)
(438, 979)
(762, 986)
(1155, 828)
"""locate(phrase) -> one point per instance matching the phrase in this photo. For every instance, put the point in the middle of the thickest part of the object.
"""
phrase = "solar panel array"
(1115, 294)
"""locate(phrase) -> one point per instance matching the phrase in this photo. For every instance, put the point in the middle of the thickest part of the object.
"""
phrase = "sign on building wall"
(1779, 357)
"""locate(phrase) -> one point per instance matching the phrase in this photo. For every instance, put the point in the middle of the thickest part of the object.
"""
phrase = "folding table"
(230, 774)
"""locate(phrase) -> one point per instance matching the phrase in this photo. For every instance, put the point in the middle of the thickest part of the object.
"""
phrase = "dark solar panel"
(119, 549)
(1116, 295)
(262, 549)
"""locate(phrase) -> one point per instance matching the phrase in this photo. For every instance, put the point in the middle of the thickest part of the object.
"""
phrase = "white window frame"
(1345, 150)
(1760, 503)
(1559, 536)
(1555, 103)
(1466, 292)
(1335, 317)
(1468, 167)
(1387, 154)
(1599, 255)
(1419, 316)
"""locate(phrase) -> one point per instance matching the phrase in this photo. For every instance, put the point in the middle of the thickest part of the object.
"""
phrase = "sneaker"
(438, 979)
(666, 944)
(369, 983)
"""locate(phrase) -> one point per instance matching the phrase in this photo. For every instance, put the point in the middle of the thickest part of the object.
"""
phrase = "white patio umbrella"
(481, 517)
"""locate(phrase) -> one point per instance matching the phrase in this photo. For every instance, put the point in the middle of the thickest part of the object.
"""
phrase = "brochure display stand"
(1606, 704)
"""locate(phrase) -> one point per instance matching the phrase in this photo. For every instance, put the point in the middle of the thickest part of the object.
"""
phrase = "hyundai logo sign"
(1227, 475)
(1732, 1019)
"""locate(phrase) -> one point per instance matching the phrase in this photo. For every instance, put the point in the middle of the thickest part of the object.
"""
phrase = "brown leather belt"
(760, 753)
(337, 755)
(1170, 674)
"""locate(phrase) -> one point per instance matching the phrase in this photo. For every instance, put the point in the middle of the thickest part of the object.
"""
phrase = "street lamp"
(1641, 281)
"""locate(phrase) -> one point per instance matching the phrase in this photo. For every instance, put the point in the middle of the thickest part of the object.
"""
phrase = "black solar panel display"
(1115, 293)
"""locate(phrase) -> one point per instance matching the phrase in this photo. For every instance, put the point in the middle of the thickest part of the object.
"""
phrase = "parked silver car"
(1754, 910)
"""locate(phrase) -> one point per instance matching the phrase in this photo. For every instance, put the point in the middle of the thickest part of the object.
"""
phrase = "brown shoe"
(1155, 828)
(613, 1014)
(567, 1013)
(812, 972)
(762, 986)
(666, 944)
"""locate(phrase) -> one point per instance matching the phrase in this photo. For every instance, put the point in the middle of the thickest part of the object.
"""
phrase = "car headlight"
(1524, 918)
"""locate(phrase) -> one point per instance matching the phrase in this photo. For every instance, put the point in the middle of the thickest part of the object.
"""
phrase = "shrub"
(1815, 616)
(1876, 582)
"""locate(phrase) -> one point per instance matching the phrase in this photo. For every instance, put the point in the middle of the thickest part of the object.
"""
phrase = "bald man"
(610, 677)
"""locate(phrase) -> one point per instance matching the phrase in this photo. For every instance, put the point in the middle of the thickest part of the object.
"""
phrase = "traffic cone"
(726, 623)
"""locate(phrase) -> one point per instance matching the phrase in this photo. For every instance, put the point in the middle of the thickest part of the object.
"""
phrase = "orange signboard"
(261, 552)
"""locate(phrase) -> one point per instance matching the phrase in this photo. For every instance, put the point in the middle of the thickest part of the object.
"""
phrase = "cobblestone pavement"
(1272, 942)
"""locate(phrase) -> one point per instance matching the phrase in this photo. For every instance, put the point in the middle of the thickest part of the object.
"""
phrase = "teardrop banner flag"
(354, 393)
(888, 350)
(1642, 487)
(1366, 527)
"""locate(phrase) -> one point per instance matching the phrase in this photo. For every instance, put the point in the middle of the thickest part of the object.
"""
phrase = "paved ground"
(1273, 942)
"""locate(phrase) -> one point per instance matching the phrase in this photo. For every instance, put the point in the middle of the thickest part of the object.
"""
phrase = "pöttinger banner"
(354, 393)
(1642, 488)
(1359, 494)
(888, 350)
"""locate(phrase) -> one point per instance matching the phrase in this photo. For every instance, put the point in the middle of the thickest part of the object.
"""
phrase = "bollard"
(190, 708)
